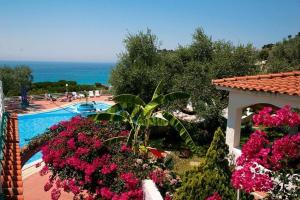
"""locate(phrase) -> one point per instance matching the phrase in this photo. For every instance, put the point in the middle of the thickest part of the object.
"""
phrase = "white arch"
(239, 99)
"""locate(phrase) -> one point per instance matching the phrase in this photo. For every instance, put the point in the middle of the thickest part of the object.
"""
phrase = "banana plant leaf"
(156, 121)
(153, 104)
(129, 99)
(109, 117)
(157, 90)
(114, 109)
(174, 122)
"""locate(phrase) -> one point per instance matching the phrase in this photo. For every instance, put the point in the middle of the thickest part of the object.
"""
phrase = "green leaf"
(156, 121)
(114, 109)
(129, 99)
(153, 104)
(175, 96)
(174, 122)
(114, 140)
(136, 111)
(157, 90)
(109, 117)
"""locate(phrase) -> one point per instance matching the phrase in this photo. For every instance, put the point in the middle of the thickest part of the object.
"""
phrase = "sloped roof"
(283, 83)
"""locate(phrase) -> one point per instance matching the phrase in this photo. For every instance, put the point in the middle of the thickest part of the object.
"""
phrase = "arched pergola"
(276, 89)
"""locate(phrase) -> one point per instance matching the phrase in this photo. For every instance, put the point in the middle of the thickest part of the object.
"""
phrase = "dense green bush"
(14, 78)
(282, 56)
(213, 175)
(60, 87)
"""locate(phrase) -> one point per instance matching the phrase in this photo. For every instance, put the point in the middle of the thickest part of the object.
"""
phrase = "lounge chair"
(97, 93)
(91, 94)
(74, 94)
(81, 95)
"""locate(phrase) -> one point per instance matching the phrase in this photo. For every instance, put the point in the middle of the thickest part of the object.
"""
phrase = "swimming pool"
(31, 125)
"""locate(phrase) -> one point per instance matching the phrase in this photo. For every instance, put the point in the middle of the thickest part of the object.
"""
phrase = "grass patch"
(181, 165)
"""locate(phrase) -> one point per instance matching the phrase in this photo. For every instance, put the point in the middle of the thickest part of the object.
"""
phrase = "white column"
(150, 190)
(233, 131)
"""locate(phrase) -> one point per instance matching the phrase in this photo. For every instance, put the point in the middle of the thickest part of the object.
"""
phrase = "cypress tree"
(213, 175)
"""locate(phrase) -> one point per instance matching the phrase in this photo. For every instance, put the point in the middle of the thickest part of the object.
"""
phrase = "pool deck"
(33, 188)
(33, 183)
(36, 106)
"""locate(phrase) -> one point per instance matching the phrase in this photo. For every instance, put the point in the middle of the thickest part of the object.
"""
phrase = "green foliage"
(212, 175)
(14, 78)
(141, 116)
(60, 87)
(188, 68)
(135, 71)
(284, 56)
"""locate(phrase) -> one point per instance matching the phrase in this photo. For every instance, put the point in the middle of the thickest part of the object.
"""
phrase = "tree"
(136, 69)
(189, 68)
(213, 175)
(284, 56)
(141, 116)
(14, 78)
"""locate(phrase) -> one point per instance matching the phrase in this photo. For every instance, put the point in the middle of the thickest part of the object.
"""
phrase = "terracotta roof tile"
(283, 83)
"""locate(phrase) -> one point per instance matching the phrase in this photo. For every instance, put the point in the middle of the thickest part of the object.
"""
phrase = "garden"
(108, 155)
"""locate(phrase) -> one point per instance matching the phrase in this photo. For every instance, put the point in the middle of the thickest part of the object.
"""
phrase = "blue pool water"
(31, 125)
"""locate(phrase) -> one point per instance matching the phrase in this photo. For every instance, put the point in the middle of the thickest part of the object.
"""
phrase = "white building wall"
(239, 99)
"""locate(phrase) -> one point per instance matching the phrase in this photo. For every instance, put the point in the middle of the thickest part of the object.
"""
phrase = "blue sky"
(93, 30)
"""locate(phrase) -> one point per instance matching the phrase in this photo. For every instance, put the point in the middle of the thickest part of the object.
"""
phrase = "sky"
(94, 30)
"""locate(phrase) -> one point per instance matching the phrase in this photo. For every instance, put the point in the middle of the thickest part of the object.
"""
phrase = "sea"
(81, 72)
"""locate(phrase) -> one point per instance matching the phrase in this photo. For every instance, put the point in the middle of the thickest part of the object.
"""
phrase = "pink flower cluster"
(282, 117)
(259, 154)
(165, 180)
(215, 196)
(81, 162)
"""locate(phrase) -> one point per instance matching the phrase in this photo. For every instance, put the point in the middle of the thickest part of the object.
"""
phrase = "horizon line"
(69, 61)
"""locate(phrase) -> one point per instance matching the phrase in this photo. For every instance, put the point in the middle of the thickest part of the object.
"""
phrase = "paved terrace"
(45, 105)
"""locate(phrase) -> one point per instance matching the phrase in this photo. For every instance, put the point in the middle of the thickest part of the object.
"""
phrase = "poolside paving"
(33, 188)
(44, 105)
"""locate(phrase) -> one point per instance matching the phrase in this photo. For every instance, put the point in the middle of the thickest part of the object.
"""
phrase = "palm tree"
(141, 116)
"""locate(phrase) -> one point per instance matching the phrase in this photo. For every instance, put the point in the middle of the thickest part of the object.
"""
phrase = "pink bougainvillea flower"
(106, 193)
(215, 196)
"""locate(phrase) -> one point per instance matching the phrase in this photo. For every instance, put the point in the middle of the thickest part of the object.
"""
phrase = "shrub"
(83, 162)
(271, 166)
(15, 78)
(213, 175)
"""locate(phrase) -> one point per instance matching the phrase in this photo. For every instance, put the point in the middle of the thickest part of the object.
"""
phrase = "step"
(12, 184)
(11, 162)
(12, 154)
(11, 167)
(10, 178)
(12, 191)
(14, 197)
(11, 172)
